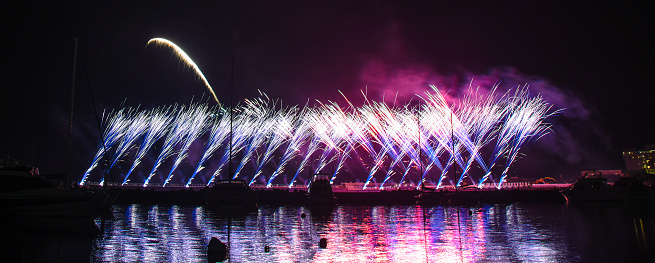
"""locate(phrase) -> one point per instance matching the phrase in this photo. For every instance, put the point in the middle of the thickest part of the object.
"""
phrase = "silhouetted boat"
(635, 192)
(230, 195)
(593, 187)
(320, 191)
(25, 194)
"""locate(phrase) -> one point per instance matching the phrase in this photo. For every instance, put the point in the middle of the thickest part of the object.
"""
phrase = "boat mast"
(70, 124)
(231, 110)
(229, 217)
(452, 141)
(420, 153)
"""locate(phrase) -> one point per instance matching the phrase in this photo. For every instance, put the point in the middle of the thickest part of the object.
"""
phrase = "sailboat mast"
(229, 218)
(231, 112)
(420, 153)
(452, 141)
(70, 124)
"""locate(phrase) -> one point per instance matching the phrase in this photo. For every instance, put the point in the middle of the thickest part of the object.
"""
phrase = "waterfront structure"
(639, 161)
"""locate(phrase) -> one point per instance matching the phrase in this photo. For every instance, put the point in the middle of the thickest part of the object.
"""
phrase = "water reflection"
(152, 233)
(507, 233)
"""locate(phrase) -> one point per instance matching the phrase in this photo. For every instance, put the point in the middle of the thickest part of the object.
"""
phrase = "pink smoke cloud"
(577, 141)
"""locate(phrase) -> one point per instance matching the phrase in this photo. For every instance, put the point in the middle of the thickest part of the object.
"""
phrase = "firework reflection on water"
(498, 233)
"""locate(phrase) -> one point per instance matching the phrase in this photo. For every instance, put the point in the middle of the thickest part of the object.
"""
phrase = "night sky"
(594, 60)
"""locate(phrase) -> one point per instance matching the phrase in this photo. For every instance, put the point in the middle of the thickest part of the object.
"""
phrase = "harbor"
(327, 131)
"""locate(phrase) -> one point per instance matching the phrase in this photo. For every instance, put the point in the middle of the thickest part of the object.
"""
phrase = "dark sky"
(593, 59)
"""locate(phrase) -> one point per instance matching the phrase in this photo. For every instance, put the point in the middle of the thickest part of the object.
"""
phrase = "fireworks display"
(481, 135)
(184, 58)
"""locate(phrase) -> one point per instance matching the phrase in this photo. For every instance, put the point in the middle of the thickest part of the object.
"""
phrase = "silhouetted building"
(639, 161)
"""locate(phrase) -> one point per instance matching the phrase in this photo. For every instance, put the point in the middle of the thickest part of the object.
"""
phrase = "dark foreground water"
(490, 233)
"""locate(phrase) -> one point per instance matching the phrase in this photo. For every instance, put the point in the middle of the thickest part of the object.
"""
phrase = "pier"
(346, 194)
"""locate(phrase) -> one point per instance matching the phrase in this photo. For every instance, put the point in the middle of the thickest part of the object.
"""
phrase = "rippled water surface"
(496, 233)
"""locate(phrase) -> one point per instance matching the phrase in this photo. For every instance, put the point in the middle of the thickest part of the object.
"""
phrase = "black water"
(488, 233)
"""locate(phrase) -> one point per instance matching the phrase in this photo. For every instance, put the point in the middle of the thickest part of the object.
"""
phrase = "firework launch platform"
(345, 195)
